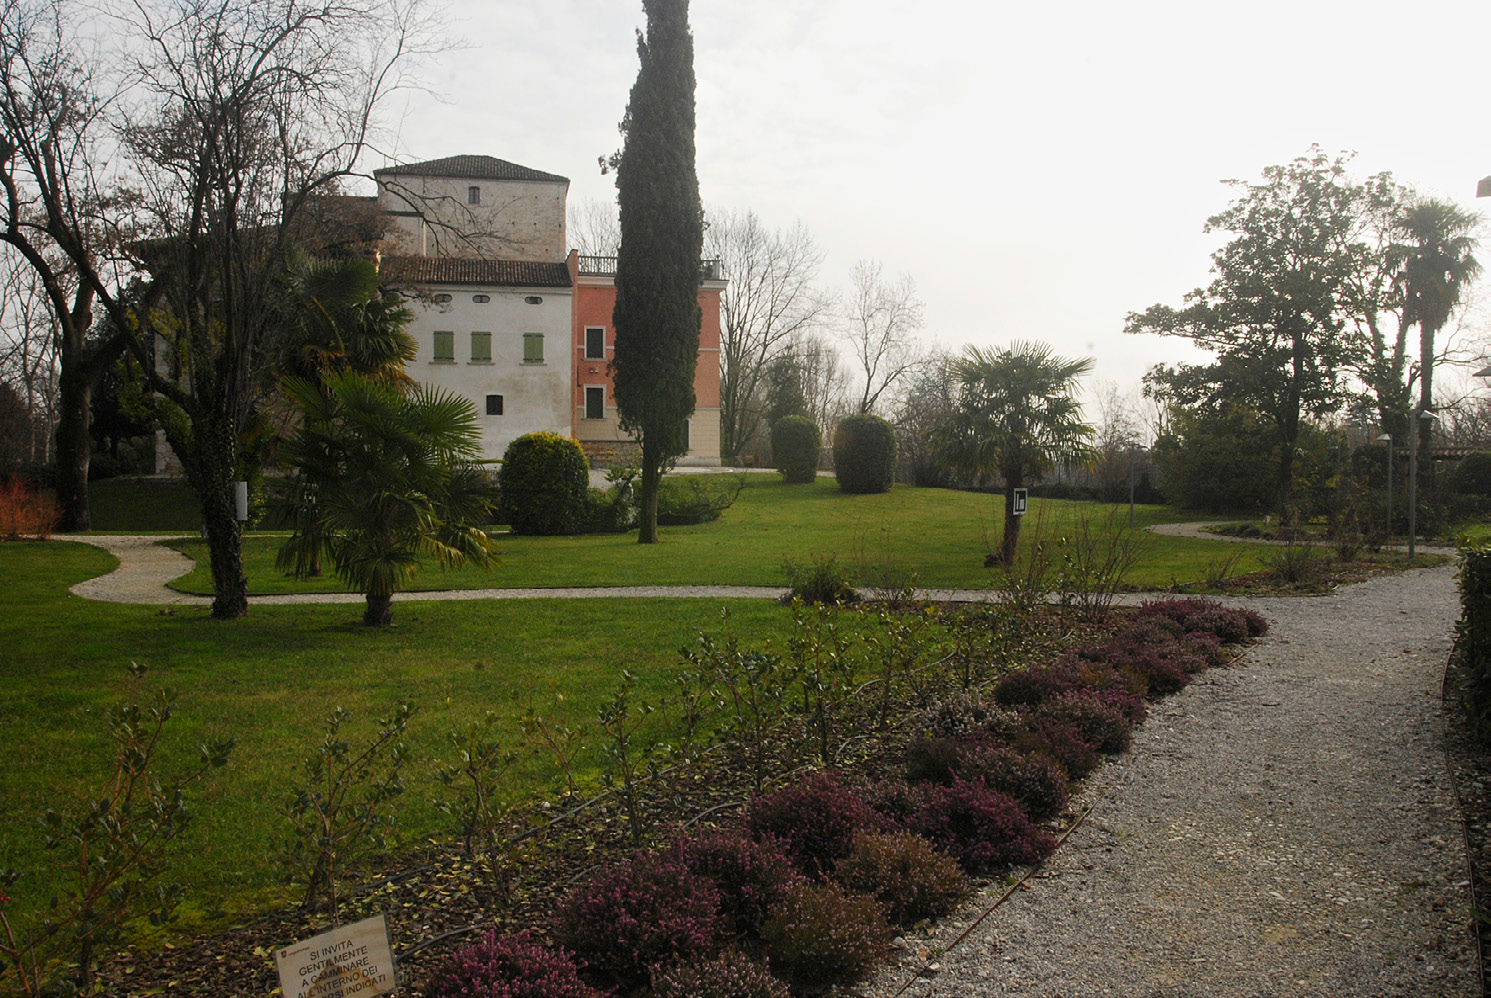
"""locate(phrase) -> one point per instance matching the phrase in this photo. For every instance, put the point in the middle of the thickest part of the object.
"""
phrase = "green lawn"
(940, 534)
(268, 680)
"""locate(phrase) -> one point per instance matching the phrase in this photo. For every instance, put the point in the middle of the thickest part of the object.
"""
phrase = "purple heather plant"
(820, 935)
(508, 967)
(816, 820)
(634, 915)
(729, 975)
(751, 875)
(983, 829)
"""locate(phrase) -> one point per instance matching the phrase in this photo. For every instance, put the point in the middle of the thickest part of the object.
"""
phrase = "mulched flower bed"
(442, 900)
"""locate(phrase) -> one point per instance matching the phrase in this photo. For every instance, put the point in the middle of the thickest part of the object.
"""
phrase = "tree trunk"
(225, 551)
(74, 395)
(1011, 523)
(652, 476)
(379, 611)
(1425, 427)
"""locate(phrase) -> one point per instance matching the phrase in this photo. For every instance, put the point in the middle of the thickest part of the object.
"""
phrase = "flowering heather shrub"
(1103, 724)
(1036, 684)
(894, 799)
(816, 820)
(751, 876)
(958, 715)
(1063, 742)
(1034, 779)
(508, 967)
(905, 873)
(1207, 648)
(982, 828)
(1203, 615)
(633, 915)
(936, 760)
(820, 935)
(729, 975)
(1166, 667)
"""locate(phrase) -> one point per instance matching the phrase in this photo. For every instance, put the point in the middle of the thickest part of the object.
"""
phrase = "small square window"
(473, 195)
(533, 348)
(494, 405)
(481, 348)
(595, 402)
(445, 345)
(595, 343)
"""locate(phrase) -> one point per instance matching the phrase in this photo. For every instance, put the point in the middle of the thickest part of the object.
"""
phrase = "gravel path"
(1285, 826)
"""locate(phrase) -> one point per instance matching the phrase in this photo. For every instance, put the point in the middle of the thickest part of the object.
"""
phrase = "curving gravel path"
(1285, 826)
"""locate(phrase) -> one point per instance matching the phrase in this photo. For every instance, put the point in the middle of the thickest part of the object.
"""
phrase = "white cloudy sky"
(1040, 169)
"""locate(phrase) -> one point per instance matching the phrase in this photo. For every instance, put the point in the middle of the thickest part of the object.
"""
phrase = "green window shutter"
(445, 344)
(533, 348)
(481, 347)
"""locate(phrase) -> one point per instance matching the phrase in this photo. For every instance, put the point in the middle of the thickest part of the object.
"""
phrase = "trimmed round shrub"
(820, 935)
(729, 975)
(864, 454)
(544, 485)
(795, 447)
(636, 914)
(816, 821)
(508, 967)
(905, 873)
(983, 829)
(1103, 725)
(750, 875)
(1472, 477)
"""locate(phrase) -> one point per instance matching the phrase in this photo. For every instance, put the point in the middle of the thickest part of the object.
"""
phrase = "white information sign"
(354, 961)
(1021, 499)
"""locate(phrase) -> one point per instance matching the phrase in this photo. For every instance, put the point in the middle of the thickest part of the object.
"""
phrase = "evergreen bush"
(820, 935)
(795, 447)
(864, 454)
(1472, 476)
(508, 967)
(636, 914)
(544, 485)
(905, 873)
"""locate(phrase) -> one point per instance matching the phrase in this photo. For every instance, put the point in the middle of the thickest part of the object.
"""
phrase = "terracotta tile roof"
(499, 273)
(471, 167)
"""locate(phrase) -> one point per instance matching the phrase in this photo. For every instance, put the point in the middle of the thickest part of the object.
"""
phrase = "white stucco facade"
(534, 393)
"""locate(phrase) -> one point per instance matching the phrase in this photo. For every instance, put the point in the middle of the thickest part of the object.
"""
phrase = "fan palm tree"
(344, 321)
(1433, 254)
(1016, 415)
(385, 475)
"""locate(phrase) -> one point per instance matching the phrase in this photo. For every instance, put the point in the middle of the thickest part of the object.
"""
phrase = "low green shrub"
(1472, 475)
(729, 975)
(822, 581)
(905, 873)
(688, 499)
(864, 454)
(820, 935)
(796, 445)
(1473, 632)
(544, 485)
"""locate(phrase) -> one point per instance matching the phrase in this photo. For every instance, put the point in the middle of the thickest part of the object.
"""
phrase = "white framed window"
(595, 401)
(481, 348)
(445, 346)
(533, 348)
(595, 342)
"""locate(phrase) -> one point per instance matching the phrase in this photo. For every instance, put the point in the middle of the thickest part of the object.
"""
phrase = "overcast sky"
(1040, 169)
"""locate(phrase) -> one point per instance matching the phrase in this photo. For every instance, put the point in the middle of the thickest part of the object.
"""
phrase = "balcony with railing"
(605, 266)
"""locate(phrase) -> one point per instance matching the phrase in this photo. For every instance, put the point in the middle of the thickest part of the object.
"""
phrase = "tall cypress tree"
(662, 235)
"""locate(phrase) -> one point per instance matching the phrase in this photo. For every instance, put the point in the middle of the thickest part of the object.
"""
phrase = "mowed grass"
(941, 535)
(268, 681)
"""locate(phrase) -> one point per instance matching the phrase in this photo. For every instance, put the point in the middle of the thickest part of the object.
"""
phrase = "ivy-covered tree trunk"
(209, 457)
(74, 410)
(657, 268)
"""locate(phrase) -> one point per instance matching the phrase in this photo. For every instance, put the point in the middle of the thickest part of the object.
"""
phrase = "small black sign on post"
(1022, 496)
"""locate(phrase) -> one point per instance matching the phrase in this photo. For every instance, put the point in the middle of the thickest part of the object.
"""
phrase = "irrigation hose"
(1060, 841)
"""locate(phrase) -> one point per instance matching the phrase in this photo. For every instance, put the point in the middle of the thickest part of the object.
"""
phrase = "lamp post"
(1413, 480)
(1387, 438)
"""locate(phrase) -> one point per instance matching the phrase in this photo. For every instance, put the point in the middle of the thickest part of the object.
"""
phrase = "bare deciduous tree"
(769, 299)
(881, 319)
(28, 357)
(594, 229)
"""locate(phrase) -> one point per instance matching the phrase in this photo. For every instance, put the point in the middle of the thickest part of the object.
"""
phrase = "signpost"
(353, 961)
(1022, 496)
